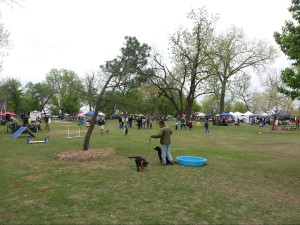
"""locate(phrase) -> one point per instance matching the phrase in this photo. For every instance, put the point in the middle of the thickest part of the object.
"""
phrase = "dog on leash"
(140, 162)
(158, 149)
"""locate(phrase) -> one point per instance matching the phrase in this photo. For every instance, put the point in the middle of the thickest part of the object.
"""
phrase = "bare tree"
(92, 87)
(108, 77)
(234, 54)
(270, 100)
(168, 84)
(190, 49)
(240, 89)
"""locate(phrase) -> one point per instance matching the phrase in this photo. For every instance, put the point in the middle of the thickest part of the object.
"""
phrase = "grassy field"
(252, 177)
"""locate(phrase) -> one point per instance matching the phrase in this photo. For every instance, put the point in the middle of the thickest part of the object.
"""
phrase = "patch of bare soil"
(80, 155)
(274, 132)
(35, 176)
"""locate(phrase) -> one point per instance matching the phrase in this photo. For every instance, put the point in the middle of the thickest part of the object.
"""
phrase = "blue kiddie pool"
(191, 160)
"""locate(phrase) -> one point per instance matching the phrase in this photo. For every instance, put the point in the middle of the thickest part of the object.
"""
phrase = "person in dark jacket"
(101, 124)
(206, 126)
(46, 118)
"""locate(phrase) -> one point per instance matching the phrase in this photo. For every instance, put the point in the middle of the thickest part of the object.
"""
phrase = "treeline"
(214, 67)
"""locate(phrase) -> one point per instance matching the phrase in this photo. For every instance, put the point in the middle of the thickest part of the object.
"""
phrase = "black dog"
(158, 149)
(140, 162)
(126, 130)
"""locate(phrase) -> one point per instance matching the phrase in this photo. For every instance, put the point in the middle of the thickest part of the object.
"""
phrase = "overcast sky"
(80, 35)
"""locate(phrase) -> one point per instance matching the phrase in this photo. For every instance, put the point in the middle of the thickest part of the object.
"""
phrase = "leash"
(148, 148)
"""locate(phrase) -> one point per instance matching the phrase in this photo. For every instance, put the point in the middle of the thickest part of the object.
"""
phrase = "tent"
(202, 115)
(90, 113)
(262, 115)
(225, 115)
(238, 115)
(284, 116)
(247, 115)
(259, 115)
(10, 113)
(79, 114)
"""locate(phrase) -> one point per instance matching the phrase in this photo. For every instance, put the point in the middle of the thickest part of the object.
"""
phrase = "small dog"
(140, 162)
(107, 131)
(126, 130)
(158, 149)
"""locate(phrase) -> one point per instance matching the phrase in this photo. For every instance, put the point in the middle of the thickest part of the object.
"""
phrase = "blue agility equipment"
(20, 131)
(30, 141)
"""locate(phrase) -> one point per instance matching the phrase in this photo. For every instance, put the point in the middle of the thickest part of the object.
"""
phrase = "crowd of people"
(27, 121)
(146, 122)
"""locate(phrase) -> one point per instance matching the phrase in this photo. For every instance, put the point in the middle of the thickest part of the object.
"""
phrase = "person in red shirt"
(297, 122)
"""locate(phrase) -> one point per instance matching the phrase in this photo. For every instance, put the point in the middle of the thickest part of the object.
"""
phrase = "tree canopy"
(289, 42)
(123, 73)
(68, 88)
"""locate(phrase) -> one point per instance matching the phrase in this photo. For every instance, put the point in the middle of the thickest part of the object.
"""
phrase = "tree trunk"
(190, 97)
(88, 135)
(86, 142)
(222, 97)
(189, 106)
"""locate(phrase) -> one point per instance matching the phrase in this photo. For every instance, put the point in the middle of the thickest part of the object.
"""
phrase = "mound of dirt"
(80, 155)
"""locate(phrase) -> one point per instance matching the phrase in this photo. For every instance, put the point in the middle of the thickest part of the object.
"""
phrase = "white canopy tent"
(247, 116)
(200, 114)
(239, 115)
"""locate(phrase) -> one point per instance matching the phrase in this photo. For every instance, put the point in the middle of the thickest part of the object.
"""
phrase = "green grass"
(250, 178)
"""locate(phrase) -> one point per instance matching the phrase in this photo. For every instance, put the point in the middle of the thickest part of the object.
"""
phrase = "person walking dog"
(165, 140)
